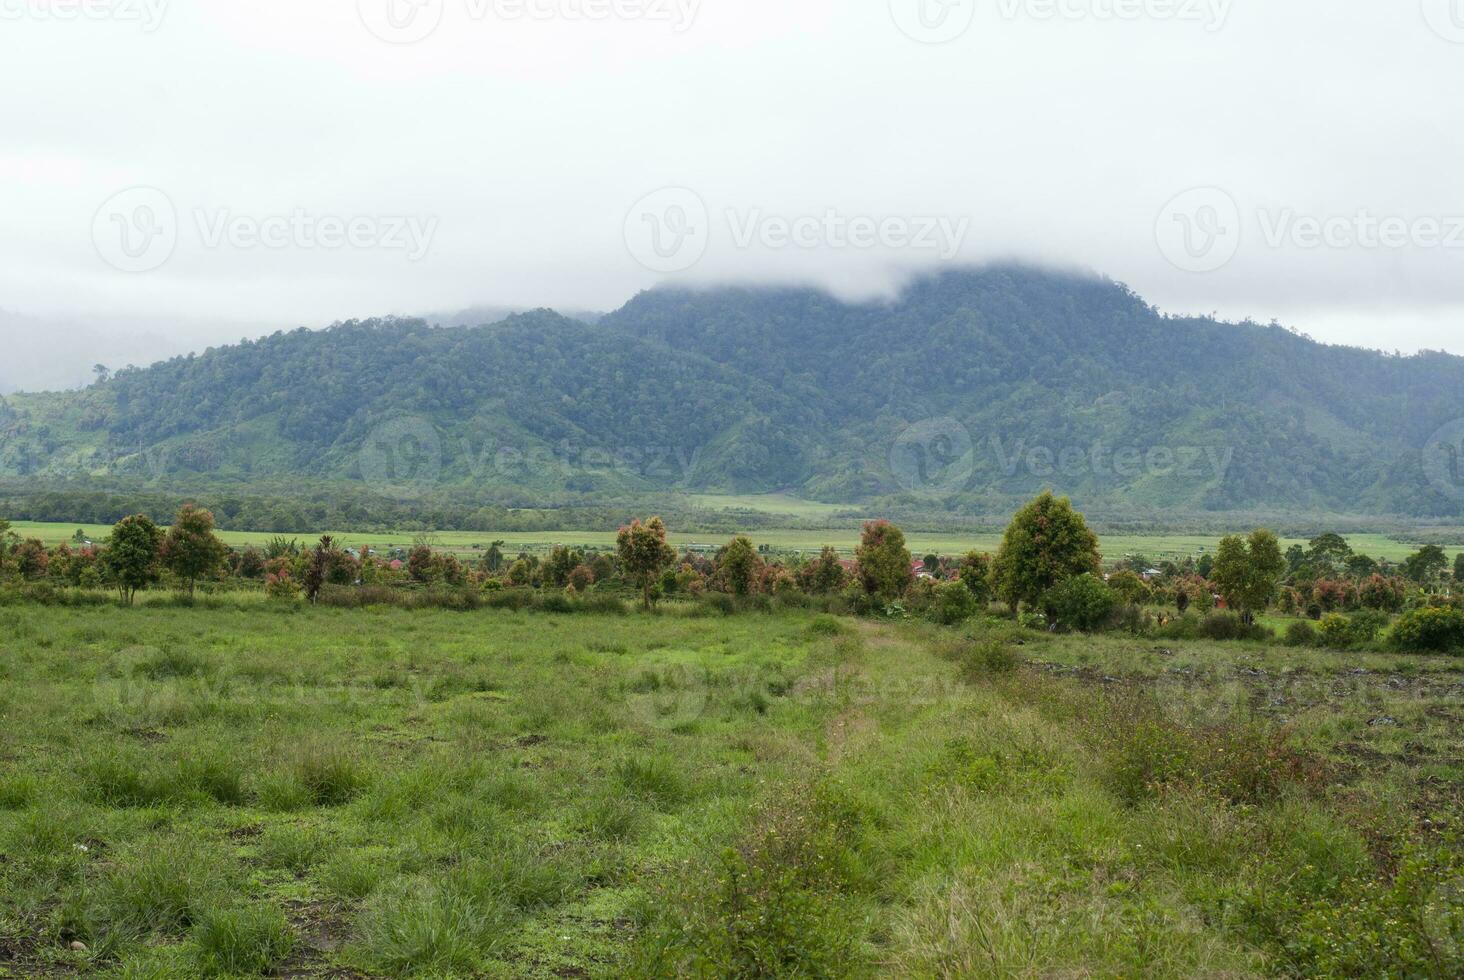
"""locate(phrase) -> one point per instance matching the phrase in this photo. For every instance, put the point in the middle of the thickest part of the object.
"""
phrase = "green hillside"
(970, 390)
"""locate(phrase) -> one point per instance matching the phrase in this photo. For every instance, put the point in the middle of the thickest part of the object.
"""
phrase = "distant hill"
(969, 390)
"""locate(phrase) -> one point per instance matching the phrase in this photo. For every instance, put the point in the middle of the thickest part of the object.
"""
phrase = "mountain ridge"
(969, 389)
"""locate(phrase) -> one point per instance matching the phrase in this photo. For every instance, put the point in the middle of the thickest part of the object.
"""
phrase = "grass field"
(246, 788)
(1155, 546)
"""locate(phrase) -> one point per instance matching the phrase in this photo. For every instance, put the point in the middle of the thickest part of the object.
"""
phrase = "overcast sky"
(216, 164)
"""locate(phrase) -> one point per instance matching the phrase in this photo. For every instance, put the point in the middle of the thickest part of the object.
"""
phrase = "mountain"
(969, 390)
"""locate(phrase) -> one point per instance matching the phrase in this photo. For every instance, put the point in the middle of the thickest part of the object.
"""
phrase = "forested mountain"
(971, 388)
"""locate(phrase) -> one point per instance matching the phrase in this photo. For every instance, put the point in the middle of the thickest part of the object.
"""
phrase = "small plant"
(248, 940)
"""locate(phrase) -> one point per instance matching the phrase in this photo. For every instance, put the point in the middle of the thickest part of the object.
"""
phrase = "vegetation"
(788, 765)
(742, 390)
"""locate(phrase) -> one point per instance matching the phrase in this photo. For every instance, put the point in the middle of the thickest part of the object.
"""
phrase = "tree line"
(1047, 573)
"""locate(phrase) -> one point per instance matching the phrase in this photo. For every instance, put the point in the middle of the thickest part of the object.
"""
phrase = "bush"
(953, 603)
(1084, 602)
(1229, 626)
(1301, 634)
(1429, 631)
(1335, 631)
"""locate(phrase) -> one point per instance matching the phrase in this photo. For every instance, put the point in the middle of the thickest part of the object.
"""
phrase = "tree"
(975, 575)
(31, 559)
(317, 571)
(884, 561)
(644, 553)
(1458, 566)
(560, 563)
(1384, 594)
(1426, 565)
(7, 541)
(1328, 552)
(1129, 587)
(739, 567)
(420, 565)
(493, 558)
(1046, 544)
(251, 563)
(131, 555)
(824, 574)
(191, 550)
(1248, 572)
(1361, 567)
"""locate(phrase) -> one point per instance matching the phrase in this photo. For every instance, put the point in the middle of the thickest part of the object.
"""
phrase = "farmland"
(1162, 546)
(249, 787)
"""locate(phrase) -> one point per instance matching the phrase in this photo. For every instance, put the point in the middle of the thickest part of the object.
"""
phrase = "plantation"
(247, 787)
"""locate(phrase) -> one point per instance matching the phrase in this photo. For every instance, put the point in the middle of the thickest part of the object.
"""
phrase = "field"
(1115, 546)
(249, 788)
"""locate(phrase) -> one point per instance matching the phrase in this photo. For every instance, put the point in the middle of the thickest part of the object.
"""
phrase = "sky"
(175, 174)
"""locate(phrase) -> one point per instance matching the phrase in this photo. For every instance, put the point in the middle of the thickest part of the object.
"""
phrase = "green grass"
(1157, 547)
(260, 790)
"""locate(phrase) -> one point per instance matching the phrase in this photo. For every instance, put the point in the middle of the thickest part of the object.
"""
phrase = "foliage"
(1129, 587)
(771, 389)
(1429, 630)
(131, 556)
(1426, 565)
(884, 561)
(1248, 571)
(739, 567)
(975, 574)
(191, 550)
(824, 574)
(643, 554)
(1046, 543)
(1083, 602)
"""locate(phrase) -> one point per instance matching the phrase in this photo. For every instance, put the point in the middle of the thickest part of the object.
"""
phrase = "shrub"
(1084, 602)
(985, 657)
(1429, 631)
(1146, 753)
(1301, 634)
(1229, 626)
(1367, 626)
(953, 603)
(1335, 631)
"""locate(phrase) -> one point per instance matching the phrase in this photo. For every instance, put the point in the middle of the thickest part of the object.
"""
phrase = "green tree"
(1129, 587)
(824, 574)
(1459, 568)
(884, 561)
(738, 567)
(975, 575)
(643, 554)
(131, 557)
(1328, 552)
(191, 550)
(493, 558)
(1426, 565)
(560, 563)
(1248, 572)
(1046, 544)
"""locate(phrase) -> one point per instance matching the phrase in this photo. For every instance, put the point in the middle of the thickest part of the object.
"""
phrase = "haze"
(317, 172)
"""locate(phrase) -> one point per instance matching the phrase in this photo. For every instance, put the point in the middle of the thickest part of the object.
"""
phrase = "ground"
(244, 788)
